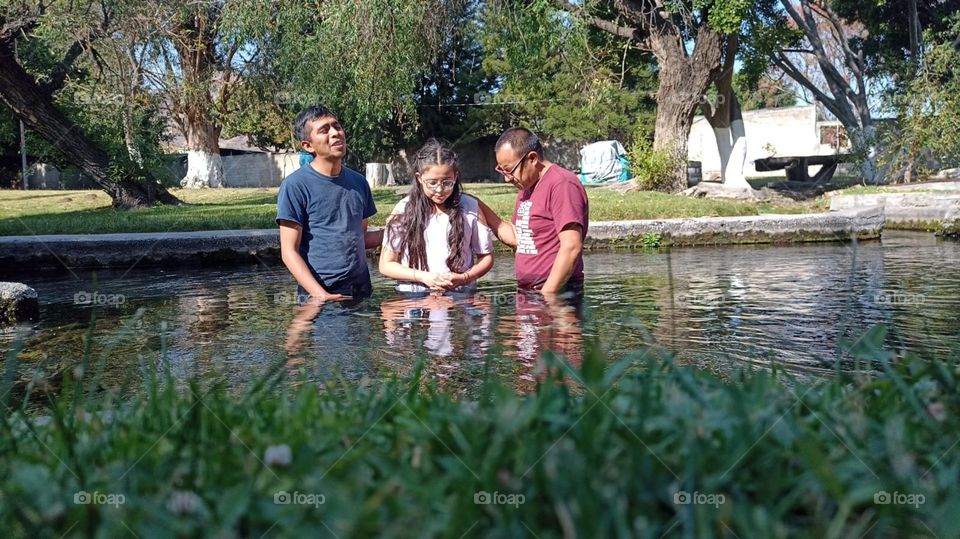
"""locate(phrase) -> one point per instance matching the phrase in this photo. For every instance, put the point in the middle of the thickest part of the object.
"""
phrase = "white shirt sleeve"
(390, 240)
(481, 241)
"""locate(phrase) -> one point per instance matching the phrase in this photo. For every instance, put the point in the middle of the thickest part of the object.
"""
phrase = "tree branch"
(783, 62)
(853, 59)
(9, 30)
(833, 104)
(835, 80)
(600, 24)
(59, 73)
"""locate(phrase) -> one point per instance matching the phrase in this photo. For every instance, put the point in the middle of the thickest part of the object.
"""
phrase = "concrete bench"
(796, 167)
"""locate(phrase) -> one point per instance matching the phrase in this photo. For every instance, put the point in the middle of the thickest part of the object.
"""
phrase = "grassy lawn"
(635, 448)
(89, 212)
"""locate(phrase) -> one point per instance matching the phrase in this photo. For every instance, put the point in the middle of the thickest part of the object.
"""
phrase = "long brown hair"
(410, 225)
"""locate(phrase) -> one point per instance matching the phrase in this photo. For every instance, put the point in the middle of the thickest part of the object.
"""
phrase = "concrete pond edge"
(82, 251)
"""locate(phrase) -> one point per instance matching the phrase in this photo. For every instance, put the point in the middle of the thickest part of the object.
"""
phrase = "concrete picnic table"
(796, 166)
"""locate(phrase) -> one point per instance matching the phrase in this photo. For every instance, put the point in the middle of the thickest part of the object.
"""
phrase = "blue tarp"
(604, 161)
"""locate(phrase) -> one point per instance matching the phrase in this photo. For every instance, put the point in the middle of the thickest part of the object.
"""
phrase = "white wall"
(258, 169)
(770, 133)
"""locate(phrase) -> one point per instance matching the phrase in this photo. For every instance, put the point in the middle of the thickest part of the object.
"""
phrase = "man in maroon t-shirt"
(550, 216)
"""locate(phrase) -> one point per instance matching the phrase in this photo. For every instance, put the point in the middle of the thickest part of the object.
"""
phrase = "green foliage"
(651, 240)
(653, 170)
(254, 111)
(361, 59)
(563, 78)
(927, 136)
(103, 113)
(401, 458)
(886, 44)
(121, 121)
(726, 16)
(763, 93)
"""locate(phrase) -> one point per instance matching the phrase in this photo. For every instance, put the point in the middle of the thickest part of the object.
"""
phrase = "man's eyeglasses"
(433, 185)
(500, 169)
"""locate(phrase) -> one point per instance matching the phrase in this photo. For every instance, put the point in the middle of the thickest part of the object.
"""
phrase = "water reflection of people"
(340, 338)
(456, 327)
(550, 323)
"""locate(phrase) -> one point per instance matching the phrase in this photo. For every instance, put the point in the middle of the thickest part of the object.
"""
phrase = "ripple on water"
(720, 308)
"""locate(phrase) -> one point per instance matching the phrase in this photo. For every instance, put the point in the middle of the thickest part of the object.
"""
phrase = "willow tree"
(198, 55)
(52, 37)
(364, 60)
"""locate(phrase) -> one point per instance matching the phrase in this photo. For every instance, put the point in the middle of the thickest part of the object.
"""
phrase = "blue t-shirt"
(330, 211)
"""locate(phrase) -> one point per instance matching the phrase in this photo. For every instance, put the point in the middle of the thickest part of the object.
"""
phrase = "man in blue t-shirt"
(322, 210)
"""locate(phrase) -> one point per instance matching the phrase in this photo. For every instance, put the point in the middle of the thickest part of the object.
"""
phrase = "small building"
(244, 165)
(774, 132)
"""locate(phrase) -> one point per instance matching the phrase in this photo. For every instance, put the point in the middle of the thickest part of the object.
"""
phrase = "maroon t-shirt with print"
(540, 213)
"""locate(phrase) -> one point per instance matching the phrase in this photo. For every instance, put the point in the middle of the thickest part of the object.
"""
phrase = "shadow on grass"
(46, 194)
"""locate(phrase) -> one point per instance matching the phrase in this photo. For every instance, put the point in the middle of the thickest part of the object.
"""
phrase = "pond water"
(720, 308)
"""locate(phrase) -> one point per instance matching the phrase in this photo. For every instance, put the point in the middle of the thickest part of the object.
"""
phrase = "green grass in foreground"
(637, 448)
(89, 212)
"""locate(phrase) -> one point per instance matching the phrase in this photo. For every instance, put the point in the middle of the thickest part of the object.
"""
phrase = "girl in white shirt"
(435, 238)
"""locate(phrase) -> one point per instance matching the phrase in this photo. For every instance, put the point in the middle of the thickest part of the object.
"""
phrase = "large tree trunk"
(204, 164)
(731, 138)
(843, 67)
(684, 76)
(726, 119)
(20, 92)
(733, 175)
(672, 131)
(195, 43)
(683, 82)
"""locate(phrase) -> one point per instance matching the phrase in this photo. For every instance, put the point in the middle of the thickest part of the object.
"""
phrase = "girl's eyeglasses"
(433, 185)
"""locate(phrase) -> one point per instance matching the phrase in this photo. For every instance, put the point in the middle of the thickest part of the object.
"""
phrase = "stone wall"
(258, 169)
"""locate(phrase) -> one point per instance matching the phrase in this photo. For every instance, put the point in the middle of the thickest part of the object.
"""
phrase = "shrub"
(653, 170)
(927, 137)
